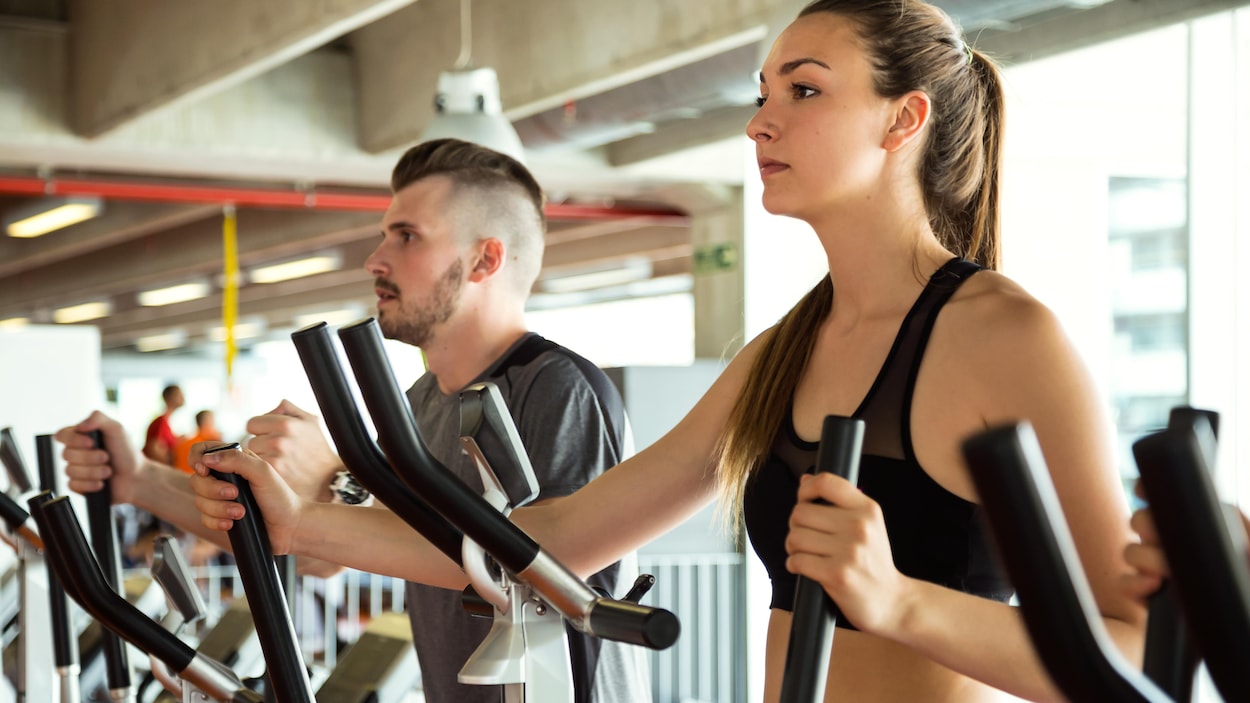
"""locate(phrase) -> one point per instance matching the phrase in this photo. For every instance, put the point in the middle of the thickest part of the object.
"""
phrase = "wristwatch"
(346, 490)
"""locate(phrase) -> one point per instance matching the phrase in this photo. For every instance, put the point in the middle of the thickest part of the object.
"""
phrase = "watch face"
(348, 490)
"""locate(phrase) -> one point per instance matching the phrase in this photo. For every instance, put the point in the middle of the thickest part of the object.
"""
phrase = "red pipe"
(257, 197)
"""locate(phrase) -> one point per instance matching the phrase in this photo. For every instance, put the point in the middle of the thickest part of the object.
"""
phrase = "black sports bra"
(934, 534)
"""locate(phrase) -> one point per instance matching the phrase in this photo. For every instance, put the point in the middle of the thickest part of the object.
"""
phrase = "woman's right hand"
(1150, 565)
(217, 500)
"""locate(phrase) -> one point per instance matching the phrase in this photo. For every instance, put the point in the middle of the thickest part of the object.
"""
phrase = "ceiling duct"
(724, 80)
(683, 93)
(973, 15)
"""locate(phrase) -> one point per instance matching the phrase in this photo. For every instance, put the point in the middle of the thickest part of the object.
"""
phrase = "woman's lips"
(769, 167)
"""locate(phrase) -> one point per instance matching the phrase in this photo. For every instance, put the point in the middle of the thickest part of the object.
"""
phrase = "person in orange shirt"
(205, 429)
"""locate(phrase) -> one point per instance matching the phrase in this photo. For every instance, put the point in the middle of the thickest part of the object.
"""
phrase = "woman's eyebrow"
(791, 66)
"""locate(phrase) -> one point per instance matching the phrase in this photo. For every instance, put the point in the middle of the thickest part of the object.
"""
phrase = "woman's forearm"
(333, 533)
(166, 493)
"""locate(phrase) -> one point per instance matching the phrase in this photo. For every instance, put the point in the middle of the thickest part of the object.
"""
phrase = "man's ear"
(911, 114)
(488, 260)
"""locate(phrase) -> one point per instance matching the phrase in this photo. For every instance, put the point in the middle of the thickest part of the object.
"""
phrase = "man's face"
(417, 268)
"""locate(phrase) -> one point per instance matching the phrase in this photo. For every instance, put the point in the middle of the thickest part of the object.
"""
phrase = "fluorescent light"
(629, 271)
(50, 214)
(82, 312)
(650, 288)
(14, 323)
(242, 330)
(333, 318)
(180, 293)
(298, 268)
(160, 342)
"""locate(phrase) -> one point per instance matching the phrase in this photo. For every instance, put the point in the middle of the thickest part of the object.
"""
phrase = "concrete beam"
(295, 123)
(600, 250)
(547, 52)
(120, 222)
(130, 58)
(328, 290)
(680, 135)
(1057, 33)
(185, 252)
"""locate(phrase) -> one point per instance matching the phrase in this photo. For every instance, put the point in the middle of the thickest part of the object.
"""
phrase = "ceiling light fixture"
(298, 268)
(242, 330)
(14, 323)
(45, 215)
(161, 342)
(467, 105)
(82, 312)
(627, 271)
(333, 318)
(180, 293)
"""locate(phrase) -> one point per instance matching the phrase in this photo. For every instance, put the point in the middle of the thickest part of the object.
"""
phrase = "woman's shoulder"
(993, 301)
(1004, 346)
(993, 316)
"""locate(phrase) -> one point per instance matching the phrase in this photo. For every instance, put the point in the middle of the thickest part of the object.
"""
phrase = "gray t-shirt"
(571, 420)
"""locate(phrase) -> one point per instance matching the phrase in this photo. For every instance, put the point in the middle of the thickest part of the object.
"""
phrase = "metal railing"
(708, 663)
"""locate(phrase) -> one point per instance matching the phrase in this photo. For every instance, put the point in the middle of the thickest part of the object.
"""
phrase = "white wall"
(49, 378)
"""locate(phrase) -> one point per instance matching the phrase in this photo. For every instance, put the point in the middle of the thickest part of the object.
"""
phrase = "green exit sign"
(715, 258)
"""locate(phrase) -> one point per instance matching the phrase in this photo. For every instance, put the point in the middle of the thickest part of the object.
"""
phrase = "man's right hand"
(291, 441)
(88, 467)
(216, 499)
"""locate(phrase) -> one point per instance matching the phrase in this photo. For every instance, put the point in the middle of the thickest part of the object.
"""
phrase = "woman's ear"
(489, 259)
(911, 114)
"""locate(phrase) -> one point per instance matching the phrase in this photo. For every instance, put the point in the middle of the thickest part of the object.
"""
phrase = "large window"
(1127, 169)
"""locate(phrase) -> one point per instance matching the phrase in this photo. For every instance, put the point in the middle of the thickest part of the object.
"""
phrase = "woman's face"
(821, 125)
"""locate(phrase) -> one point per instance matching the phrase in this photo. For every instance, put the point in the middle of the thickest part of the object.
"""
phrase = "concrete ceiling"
(170, 106)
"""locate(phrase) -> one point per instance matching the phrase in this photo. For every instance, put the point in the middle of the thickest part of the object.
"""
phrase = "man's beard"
(416, 327)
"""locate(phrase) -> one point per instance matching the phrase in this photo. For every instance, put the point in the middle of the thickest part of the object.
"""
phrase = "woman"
(881, 129)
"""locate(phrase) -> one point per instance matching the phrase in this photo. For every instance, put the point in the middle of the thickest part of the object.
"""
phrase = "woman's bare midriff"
(869, 669)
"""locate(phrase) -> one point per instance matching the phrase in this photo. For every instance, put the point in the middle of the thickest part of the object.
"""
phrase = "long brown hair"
(912, 46)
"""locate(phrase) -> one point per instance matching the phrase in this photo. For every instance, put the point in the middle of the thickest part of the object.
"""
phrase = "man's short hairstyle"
(466, 164)
(202, 416)
(494, 196)
(168, 392)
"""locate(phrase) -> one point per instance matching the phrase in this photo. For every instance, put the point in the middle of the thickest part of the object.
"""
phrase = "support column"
(716, 234)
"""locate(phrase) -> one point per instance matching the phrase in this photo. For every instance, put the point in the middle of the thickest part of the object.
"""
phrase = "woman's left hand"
(844, 547)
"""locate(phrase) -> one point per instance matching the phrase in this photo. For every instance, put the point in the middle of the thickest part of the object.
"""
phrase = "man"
(205, 430)
(161, 441)
(461, 248)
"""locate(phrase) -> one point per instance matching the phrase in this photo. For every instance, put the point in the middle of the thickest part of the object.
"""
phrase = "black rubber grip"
(64, 641)
(1036, 548)
(72, 558)
(107, 554)
(1170, 658)
(402, 444)
(250, 543)
(1206, 555)
(815, 615)
(634, 624)
(358, 450)
(11, 457)
(11, 512)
